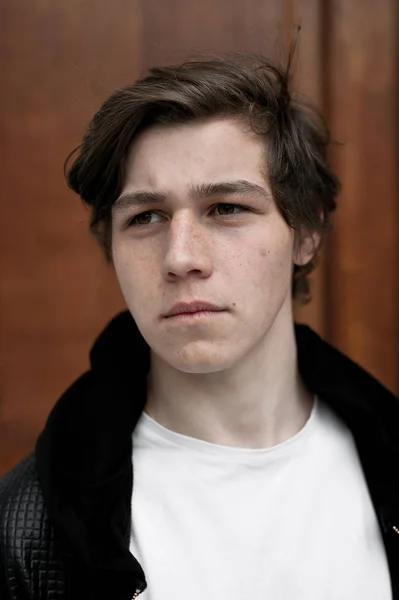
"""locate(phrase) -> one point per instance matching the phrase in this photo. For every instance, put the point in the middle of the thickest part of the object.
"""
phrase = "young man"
(214, 449)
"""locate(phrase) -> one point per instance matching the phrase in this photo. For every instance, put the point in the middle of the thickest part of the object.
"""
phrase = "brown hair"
(246, 87)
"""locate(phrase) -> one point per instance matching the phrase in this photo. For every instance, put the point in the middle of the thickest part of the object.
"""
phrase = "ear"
(305, 247)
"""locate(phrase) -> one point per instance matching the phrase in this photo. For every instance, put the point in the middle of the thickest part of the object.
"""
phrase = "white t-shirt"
(291, 522)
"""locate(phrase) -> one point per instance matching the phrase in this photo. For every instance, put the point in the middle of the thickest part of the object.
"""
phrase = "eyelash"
(131, 222)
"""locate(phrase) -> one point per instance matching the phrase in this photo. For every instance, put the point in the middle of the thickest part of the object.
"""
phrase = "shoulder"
(27, 541)
(23, 473)
(18, 488)
(20, 495)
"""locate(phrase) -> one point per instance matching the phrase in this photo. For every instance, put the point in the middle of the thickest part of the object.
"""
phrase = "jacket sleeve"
(4, 590)
(34, 564)
(4, 595)
(16, 535)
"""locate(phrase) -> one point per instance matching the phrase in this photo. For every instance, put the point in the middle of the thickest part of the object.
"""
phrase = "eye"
(224, 210)
(145, 218)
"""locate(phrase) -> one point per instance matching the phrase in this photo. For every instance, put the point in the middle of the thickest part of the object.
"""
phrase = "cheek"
(260, 275)
(271, 266)
(136, 273)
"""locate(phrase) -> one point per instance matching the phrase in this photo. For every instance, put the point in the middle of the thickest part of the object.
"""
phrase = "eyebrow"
(239, 187)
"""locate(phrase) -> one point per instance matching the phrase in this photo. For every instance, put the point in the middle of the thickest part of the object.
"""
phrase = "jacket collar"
(84, 452)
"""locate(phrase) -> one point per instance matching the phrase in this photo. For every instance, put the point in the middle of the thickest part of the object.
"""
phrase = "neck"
(257, 403)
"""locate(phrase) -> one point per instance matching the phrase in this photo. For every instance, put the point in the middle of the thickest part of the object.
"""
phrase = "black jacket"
(65, 510)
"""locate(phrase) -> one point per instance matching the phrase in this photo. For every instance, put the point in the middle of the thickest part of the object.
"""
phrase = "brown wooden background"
(59, 60)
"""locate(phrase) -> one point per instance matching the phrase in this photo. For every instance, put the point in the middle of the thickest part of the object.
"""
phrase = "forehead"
(167, 156)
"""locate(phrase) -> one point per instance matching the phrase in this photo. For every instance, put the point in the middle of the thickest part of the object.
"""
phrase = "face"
(196, 225)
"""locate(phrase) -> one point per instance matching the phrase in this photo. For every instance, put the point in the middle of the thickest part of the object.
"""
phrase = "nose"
(188, 249)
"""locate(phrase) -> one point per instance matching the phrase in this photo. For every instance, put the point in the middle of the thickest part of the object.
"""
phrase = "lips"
(191, 308)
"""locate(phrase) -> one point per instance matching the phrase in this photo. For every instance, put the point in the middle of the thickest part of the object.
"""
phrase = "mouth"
(187, 309)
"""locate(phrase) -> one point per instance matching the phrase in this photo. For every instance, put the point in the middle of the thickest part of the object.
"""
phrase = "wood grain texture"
(364, 252)
(55, 290)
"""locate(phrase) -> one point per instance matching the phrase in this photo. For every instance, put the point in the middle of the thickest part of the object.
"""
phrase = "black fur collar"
(84, 452)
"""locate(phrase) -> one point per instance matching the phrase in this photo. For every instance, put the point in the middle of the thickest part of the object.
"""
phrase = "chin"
(198, 360)
(197, 367)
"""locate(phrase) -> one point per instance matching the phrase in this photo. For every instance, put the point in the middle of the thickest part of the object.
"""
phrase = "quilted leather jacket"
(79, 479)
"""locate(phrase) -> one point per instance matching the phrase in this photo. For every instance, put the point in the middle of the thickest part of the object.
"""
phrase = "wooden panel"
(364, 254)
(55, 291)
(178, 29)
